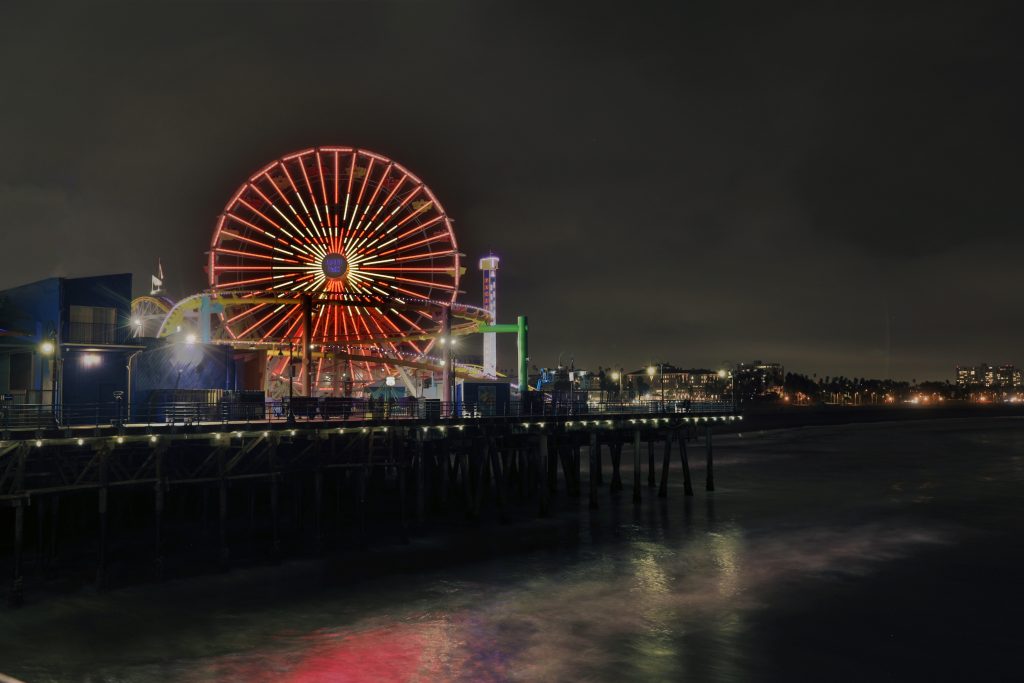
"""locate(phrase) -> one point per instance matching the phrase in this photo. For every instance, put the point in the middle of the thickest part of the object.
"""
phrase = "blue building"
(68, 338)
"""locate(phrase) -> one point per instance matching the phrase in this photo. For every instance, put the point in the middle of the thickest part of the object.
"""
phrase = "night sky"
(837, 189)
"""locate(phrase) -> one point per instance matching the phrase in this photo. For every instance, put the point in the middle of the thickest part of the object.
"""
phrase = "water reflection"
(650, 610)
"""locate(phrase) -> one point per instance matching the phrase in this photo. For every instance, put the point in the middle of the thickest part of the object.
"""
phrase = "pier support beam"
(318, 496)
(545, 488)
(159, 491)
(616, 454)
(104, 481)
(467, 480)
(650, 461)
(595, 465)
(274, 484)
(481, 477)
(402, 470)
(636, 467)
(222, 497)
(420, 476)
(710, 482)
(444, 472)
(17, 588)
(499, 476)
(685, 461)
(665, 459)
(54, 526)
(577, 469)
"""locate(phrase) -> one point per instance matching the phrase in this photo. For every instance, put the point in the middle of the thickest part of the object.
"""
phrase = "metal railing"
(21, 416)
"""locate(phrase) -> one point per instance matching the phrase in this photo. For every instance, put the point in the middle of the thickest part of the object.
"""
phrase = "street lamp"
(617, 377)
(48, 348)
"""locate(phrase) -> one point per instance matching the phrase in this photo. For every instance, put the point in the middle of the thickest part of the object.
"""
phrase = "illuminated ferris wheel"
(361, 235)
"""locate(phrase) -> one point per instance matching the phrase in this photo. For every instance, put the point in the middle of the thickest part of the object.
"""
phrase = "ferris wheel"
(362, 236)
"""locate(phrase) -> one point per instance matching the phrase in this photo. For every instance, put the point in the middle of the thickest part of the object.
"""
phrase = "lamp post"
(453, 386)
(617, 377)
(48, 348)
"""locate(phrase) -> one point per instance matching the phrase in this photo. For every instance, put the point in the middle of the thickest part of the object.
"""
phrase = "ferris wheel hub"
(334, 266)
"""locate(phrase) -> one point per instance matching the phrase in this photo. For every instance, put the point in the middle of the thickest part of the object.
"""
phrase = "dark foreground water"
(871, 552)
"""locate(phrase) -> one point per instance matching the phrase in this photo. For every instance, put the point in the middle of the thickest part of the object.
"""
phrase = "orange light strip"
(257, 324)
(323, 190)
(336, 173)
(312, 198)
(416, 212)
(348, 190)
(376, 191)
(362, 191)
(405, 269)
(404, 247)
(249, 254)
(245, 312)
(268, 219)
(302, 203)
(425, 255)
(242, 238)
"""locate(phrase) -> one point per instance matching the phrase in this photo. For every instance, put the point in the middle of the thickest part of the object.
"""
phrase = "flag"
(157, 282)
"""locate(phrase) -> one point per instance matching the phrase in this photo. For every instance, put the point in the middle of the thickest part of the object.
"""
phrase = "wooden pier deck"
(155, 498)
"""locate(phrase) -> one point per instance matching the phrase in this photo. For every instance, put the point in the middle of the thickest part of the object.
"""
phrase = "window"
(92, 325)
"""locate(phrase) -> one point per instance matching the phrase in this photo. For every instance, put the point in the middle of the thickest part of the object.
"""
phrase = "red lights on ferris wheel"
(345, 226)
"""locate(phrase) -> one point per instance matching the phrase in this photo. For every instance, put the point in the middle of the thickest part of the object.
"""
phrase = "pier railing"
(14, 417)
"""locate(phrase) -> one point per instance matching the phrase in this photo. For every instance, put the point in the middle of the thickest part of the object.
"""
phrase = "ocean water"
(865, 552)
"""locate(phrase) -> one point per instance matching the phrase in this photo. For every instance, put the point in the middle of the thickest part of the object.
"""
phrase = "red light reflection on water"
(388, 654)
(425, 651)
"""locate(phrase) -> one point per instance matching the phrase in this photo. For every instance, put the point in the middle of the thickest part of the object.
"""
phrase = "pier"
(92, 504)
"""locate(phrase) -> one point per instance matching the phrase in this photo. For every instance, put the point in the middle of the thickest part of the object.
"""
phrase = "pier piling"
(710, 482)
(636, 467)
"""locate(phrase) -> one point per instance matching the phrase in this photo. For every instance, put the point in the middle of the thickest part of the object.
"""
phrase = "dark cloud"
(832, 187)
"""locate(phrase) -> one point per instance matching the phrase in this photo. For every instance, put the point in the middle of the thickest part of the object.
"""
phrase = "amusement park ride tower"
(489, 266)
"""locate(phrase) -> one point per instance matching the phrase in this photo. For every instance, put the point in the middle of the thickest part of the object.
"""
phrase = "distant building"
(967, 377)
(985, 376)
(758, 379)
(675, 384)
(1008, 377)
